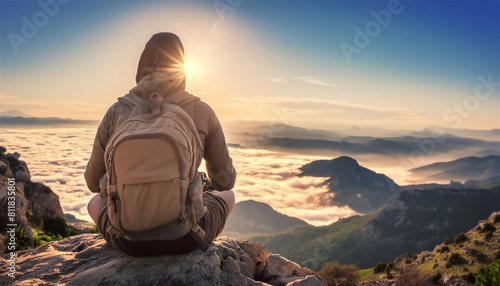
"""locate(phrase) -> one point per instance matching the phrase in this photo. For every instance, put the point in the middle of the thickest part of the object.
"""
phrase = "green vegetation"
(410, 276)
(13, 162)
(3, 170)
(336, 274)
(23, 241)
(496, 219)
(365, 274)
(435, 277)
(463, 258)
(34, 220)
(388, 269)
(490, 275)
(53, 229)
(488, 227)
(459, 238)
(381, 266)
(455, 259)
(311, 246)
(42, 237)
(410, 258)
(444, 249)
(488, 235)
(469, 277)
(478, 255)
(56, 226)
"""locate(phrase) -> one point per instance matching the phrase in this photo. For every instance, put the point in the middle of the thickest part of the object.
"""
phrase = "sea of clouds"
(58, 158)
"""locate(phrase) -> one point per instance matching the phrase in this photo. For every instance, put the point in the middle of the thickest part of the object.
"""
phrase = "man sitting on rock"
(164, 55)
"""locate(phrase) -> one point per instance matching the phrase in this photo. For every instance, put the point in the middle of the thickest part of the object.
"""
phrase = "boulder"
(87, 260)
(34, 202)
(310, 280)
(280, 271)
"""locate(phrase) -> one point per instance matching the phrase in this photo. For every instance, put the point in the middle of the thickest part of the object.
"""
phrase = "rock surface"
(34, 201)
(87, 260)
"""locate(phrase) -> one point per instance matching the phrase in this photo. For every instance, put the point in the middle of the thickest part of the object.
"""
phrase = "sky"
(313, 64)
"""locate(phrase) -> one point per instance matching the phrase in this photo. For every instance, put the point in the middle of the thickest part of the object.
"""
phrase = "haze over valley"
(355, 174)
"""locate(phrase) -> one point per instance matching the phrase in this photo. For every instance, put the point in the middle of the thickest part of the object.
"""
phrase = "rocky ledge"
(87, 260)
(34, 202)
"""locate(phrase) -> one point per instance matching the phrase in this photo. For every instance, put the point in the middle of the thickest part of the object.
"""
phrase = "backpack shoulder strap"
(181, 98)
(131, 99)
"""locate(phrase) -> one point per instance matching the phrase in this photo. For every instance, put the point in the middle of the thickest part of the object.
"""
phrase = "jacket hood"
(163, 53)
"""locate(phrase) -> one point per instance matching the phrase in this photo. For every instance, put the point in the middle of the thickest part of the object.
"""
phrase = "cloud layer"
(58, 158)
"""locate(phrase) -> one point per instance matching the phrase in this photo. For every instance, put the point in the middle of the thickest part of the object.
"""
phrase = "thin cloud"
(313, 80)
(278, 79)
(320, 103)
(5, 96)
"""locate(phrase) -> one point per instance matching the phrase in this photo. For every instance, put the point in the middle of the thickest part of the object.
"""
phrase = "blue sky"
(265, 57)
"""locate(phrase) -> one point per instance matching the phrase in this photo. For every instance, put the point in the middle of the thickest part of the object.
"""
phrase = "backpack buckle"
(112, 189)
(199, 234)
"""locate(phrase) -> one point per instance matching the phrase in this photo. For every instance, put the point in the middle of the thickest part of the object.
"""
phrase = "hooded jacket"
(160, 71)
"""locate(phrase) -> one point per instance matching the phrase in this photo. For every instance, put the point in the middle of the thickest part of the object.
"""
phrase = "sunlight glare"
(190, 69)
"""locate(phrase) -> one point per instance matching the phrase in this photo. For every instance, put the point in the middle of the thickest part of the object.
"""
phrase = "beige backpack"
(152, 159)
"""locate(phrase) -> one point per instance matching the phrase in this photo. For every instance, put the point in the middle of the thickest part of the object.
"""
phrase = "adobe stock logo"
(39, 19)
(372, 29)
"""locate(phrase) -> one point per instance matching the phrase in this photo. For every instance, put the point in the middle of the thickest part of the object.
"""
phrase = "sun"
(190, 69)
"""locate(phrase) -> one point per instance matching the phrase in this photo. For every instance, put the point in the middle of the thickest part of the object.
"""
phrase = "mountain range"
(468, 168)
(17, 118)
(411, 221)
(469, 184)
(13, 113)
(456, 261)
(351, 184)
(45, 121)
(390, 146)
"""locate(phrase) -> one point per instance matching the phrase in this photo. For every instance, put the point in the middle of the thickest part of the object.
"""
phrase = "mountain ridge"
(44, 121)
(466, 168)
(360, 188)
(456, 261)
(13, 113)
(257, 217)
(411, 221)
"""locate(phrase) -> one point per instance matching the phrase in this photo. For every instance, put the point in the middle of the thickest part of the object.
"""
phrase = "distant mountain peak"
(344, 161)
(327, 168)
(13, 113)
(257, 217)
(362, 189)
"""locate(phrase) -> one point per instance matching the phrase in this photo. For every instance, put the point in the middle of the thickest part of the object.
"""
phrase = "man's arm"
(219, 164)
(96, 166)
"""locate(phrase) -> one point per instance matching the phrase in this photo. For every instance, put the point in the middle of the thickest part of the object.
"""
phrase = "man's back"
(160, 73)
